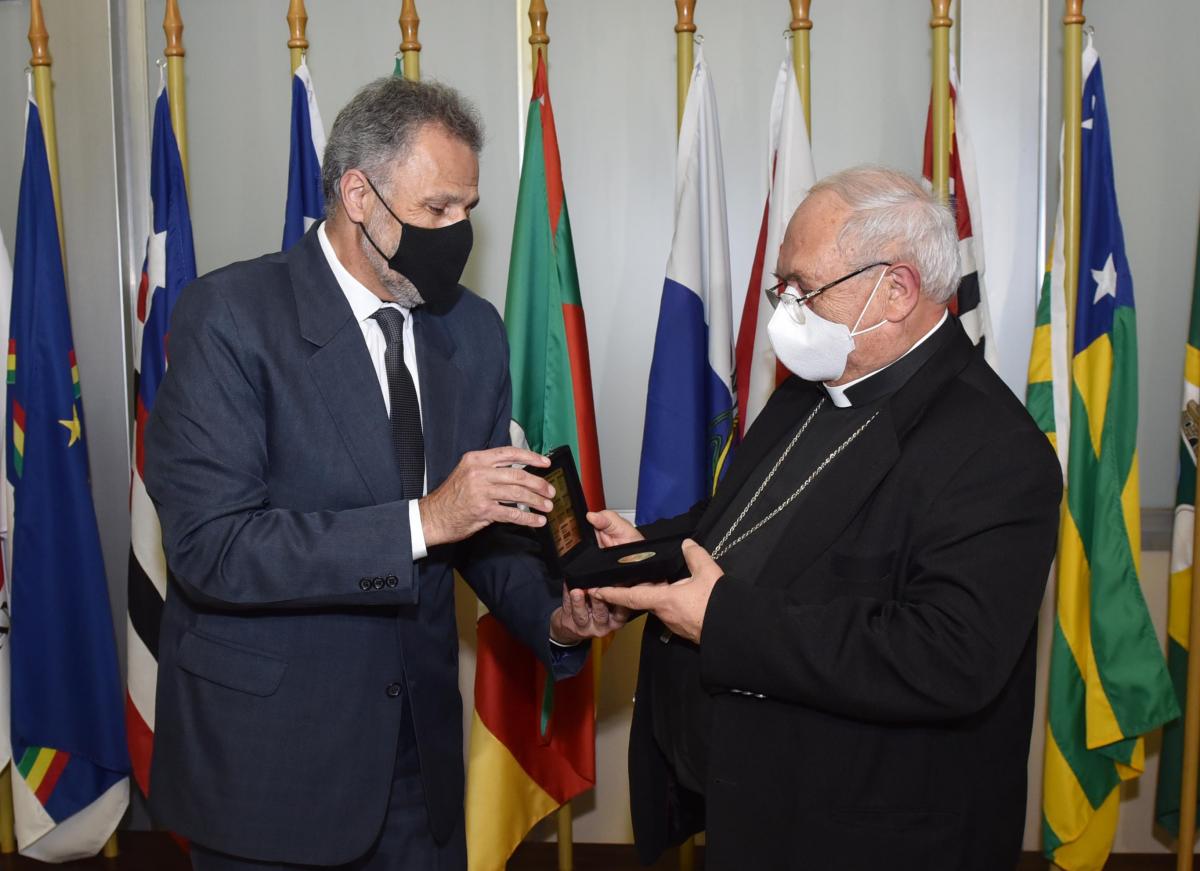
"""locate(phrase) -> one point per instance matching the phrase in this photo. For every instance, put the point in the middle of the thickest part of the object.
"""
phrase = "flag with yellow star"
(70, 763)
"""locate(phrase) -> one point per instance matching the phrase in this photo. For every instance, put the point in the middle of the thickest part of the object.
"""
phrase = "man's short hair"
(893, 216)
(379, 124)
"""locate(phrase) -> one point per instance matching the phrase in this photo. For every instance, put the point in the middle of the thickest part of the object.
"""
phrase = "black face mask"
(432, 259)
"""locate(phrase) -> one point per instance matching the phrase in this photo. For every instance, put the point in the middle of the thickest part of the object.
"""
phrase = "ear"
(901, 290)
(354, 190)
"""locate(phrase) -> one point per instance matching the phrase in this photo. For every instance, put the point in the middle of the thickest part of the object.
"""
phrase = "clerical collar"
(891, 377)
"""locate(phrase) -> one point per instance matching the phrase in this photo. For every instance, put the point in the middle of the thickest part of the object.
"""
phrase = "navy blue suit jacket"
(295, 607)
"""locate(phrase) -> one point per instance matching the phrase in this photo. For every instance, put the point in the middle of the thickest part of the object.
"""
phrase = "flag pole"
(685, 41)
(43, 89)
(539, 45)
(801, 28)
(1191, 724)
(1073, 21)
(43, 92)
(410, 46)
(940, 99)
(685, 28)
(39, 62)
(173, 28)
(297, 18)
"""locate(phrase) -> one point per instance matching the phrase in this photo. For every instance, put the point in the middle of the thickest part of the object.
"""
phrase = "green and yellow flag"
(1108, 681)
(1170, 771)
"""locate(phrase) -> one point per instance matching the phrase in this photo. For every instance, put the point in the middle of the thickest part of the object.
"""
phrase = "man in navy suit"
(329, 444)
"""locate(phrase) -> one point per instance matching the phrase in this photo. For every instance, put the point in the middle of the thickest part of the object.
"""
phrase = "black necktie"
(406, 413)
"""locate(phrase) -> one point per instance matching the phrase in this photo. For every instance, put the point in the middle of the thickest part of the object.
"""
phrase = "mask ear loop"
(855, 331)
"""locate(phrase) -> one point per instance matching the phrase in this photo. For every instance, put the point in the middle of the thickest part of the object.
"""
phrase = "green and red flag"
(532, 745)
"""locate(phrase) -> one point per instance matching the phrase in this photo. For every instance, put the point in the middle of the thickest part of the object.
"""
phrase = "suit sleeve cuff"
(419, 551)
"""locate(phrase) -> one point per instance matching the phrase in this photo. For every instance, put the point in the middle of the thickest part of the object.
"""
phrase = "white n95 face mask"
(810, 346)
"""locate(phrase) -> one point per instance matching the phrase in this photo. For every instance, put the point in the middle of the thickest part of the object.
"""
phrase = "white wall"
(613, 84)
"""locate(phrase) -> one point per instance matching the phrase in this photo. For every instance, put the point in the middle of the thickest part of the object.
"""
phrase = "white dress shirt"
(838, 393)
(364, 304)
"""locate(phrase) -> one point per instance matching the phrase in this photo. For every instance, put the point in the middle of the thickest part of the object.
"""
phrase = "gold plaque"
(562, 521)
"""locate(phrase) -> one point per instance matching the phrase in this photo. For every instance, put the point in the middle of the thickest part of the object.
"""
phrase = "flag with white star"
(169, 265)
(71, 766)
(1108, 680)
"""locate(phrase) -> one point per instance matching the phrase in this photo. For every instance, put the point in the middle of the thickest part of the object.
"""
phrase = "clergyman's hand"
(580, 617)
(612, 529)
(474, 495)
(681, 606)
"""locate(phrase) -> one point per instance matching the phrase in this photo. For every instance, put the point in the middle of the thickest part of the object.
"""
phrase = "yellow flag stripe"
(1180, 603)
(494, 830)
(1089, 851)
(1093, 377)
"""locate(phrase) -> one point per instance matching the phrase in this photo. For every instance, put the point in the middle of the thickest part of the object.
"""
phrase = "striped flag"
(789, 178)
(1170, 770)
(690, 407)
(1108, 682)
(71, 778)
(532, 744)
(169, 265)
(970, 302)
(305, 200)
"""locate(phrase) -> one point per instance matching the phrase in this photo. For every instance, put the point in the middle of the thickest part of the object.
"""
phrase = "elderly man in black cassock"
(845, 681)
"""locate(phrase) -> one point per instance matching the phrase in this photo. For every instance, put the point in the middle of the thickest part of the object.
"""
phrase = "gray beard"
(402, 291)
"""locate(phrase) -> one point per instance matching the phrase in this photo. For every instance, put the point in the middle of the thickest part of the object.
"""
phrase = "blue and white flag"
(305, 202)
(169, 265)
(71, 777)
(690, 408)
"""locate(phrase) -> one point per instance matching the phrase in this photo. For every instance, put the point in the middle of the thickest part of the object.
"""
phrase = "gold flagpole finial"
(941, 14)
(39, 38)
(173, 28)
(800, 19)
(1074, 12)
(297, 19)
(539, 39)
(801, 28)
(410, 46)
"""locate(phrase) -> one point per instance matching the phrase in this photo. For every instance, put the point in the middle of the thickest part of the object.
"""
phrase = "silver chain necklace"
(721, 549)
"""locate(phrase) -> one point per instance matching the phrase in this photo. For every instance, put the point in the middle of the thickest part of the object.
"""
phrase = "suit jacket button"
(364, 584)
(378, 584)
(392, 581)
(393, 690)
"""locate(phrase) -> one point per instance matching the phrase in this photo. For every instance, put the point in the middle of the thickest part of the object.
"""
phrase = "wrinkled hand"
(582, 616)
(681, 605)
(612, 529)
(471, 497)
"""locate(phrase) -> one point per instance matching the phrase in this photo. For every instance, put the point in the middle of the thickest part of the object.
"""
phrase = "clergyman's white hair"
(893, 216)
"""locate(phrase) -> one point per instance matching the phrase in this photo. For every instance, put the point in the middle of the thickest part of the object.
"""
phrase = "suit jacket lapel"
(442, 384)
(342, 369)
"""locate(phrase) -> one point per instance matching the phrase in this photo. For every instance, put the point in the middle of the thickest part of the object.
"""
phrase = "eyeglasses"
(796, 296)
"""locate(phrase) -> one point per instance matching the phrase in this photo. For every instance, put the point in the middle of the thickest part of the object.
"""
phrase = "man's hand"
(612, 529)
(681, 605)
(583, 617)
(471, 497)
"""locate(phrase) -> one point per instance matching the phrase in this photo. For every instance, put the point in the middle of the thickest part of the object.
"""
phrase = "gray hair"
(893, 216)
(379, 123)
